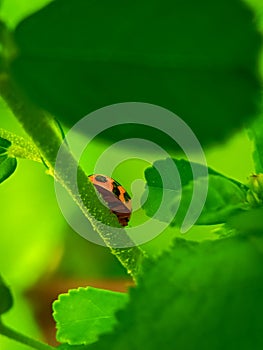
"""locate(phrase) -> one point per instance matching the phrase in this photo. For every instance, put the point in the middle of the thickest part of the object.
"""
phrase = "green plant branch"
(23, 339)
(43, 131)
(20, 148)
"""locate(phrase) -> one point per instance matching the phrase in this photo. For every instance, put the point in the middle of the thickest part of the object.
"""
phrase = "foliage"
(83, 314)
(198, 296)
(7, 164)
(199, 60)
(225, 196)
(166, 53)
(6, 300)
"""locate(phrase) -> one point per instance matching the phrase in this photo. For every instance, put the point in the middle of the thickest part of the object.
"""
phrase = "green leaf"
(72, 347)
(4, 144)
(250, 221)
(224, 199)
(6, 299)
(185, 171)
(197, 296)
(225, 196)
(256, 134)
(172, 53)
(84, 314)
(7, 164)
(7, 167)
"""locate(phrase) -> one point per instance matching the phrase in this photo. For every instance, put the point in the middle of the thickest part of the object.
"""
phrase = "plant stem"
(20, 338)
(21, 148)
(43, 131)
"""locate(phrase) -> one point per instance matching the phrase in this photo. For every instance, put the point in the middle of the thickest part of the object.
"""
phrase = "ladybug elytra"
(116, 197)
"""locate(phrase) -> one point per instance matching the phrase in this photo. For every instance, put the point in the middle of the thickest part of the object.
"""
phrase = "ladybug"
(116, 197)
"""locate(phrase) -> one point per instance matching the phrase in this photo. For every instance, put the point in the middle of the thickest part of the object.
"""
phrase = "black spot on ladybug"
(101, 178)
(117, 183)
(126, 196)
(115, 189)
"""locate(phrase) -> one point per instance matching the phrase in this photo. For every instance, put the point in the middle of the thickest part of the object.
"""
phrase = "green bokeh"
(13, 11)
(21, 318)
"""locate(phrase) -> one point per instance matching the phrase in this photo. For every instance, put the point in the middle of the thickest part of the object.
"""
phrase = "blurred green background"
(38, 250)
